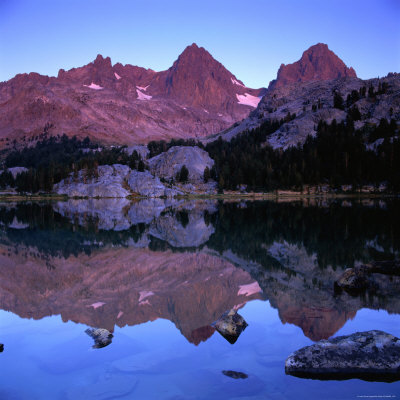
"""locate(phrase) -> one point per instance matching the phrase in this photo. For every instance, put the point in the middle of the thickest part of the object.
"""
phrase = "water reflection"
(107, 263)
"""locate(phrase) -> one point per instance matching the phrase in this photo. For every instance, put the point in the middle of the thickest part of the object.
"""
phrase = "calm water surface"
(157, 274)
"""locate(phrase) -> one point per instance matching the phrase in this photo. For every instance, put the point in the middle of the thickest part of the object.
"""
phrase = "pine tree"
(206, 175)
(338, 101)
(183, 174)
(140, 165)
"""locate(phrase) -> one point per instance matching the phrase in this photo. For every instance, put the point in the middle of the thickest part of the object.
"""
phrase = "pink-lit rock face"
(125, 104)
(124, 286)
(317, 63)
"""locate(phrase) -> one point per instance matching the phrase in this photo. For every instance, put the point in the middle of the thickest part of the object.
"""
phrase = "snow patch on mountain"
(94, 86)
(142, 96)
(117, 76)
(144, 88)
(144, 294)
(235, 82)
(248, 100)
(249, 289)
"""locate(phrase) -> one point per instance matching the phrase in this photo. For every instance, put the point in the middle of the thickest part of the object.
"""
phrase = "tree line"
(337, 155)
(55, 158)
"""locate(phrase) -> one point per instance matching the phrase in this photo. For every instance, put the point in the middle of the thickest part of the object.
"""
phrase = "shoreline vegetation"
(340, 159)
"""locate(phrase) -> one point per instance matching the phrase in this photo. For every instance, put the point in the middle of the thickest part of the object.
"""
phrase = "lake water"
(158, 274)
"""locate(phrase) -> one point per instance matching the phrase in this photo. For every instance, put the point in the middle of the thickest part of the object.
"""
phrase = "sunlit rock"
(230, 325)
(352, 280)
(102, 337)
(372, 355)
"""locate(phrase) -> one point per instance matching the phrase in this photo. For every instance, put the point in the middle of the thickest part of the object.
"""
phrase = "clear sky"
(251, 38)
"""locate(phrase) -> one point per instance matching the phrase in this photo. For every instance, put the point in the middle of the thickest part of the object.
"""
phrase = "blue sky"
(251, 38)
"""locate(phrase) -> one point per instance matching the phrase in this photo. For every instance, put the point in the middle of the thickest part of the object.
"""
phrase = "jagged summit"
(317, 63)
(100, 60)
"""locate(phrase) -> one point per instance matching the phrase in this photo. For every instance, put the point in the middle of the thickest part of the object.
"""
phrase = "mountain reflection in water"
(107, 263)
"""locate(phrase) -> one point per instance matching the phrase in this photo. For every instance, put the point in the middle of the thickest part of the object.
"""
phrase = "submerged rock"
(230, 325)
(102, 337)
(372, 355)
(235, 374)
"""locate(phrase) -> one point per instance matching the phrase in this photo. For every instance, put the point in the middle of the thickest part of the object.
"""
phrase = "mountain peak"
(100, 60)
(318, 62)
(318, 46)
(319, 50)
(194, 52)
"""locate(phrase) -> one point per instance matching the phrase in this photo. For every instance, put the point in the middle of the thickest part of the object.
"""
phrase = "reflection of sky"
(54, 360)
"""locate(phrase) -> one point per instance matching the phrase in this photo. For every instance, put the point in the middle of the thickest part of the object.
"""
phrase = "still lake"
(158, 273)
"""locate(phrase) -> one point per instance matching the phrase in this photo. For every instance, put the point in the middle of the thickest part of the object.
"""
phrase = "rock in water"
(352, 280)
(1, 347)
(235, 374)
(372, 356)
(102, 337)
(230, 325)
(358, 279)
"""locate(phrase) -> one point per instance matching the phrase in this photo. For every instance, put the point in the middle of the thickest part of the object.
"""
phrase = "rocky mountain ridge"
(197, 97)
(126, 104)
(300, 107)
(303, 94)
